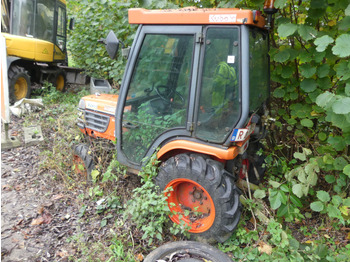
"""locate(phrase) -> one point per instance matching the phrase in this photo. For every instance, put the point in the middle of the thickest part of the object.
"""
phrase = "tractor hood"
(104, 103)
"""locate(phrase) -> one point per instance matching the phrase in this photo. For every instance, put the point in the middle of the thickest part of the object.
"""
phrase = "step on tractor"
(195, 88)
(35, 33)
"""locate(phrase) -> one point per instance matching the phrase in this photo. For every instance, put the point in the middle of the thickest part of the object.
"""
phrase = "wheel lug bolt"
(201, 202)
(193, 200)
(205, 198)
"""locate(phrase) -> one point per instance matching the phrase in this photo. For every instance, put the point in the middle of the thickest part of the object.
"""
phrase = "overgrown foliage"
(309, 141)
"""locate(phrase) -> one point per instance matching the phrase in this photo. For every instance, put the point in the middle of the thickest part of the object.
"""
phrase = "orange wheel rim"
(78, 162)
(190, 197)
(60, 83)
(21, 88)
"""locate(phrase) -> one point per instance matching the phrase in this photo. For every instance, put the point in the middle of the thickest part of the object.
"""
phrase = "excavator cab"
(195, 87)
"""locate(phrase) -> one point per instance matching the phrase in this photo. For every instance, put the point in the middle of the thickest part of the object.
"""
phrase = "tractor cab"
(194, 88)
(194, 77)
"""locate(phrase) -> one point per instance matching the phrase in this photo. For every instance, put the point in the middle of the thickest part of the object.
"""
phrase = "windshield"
(158, 91)
(36, 19)
(219, 107)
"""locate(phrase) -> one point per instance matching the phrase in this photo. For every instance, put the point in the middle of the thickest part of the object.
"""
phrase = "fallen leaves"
(265, 248)
(45, 218)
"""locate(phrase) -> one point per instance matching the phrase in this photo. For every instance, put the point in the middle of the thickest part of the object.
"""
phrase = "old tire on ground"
(59, 80)
(187, 251)
(204, 196)
(19, 83)
(83, 162)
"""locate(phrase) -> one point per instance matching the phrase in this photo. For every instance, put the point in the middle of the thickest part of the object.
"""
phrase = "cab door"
(154, 101)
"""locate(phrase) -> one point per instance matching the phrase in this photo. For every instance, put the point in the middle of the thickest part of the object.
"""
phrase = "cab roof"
(196, 16)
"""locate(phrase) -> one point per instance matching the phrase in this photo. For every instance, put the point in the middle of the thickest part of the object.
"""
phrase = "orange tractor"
(195, 86)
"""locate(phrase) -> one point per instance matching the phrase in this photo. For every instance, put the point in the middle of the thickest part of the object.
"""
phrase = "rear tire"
(204, 183)
(60, 81)
(83, 162)
(187, 251)
(19, 83)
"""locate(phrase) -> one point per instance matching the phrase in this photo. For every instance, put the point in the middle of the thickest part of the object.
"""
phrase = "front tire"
(83, 162)
(19, 83)
(204, 196)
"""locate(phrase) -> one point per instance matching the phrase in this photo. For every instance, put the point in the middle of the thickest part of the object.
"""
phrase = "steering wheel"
(168, 97)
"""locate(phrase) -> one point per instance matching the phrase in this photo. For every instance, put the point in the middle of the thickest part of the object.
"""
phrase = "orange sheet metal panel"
(220, 153)
(193, 15)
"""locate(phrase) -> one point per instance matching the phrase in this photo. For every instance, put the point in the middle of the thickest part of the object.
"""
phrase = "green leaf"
(280, 4)
(347, 89)
(323, 70)
(307, 123)
(341, 47)
(333, 212)
(342, 69)
(285, 30)
(307, 32)
(279, 93)
(342, 106)
(298, 190)
(274, 184)
(337, 142)
(300, 156)
(317, 206)
(347, 11)
(259, 194)
(322, 42)
(323, 196)
(346, 170)
(282, 56)
(308, 85)
(340, 163)
(325, 99)
(330, 179)
(275, 201)
(344, 24)
(322, 136)
(307, 70)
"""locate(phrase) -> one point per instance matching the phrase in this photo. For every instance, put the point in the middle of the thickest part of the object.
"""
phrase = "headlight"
(82, 104)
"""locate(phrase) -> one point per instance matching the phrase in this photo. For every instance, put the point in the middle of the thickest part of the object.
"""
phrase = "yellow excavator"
(35, 33)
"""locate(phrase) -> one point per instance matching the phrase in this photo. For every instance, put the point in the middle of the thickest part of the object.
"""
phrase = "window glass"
(23, 18)
(158, 92)
(219, 98)
(258, 68)
(61, 32)
(44, 19)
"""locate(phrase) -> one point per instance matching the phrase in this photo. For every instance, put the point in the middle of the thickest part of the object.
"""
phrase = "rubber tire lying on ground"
(187, 251)
(197, 181)
(81, 157)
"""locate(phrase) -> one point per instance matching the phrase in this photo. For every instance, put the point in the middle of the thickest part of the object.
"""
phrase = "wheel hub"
(193, 205)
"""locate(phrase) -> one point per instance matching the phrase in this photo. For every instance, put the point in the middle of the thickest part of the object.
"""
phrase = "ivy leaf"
(322, 42)
(285, 30)
(323, 196)
(308, 85)
(341, 47)
(307, 70)
(307, 123)
(342, 106)
(307, 32)
(317, 206)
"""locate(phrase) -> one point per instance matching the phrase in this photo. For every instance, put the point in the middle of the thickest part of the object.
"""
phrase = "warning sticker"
(223, 18)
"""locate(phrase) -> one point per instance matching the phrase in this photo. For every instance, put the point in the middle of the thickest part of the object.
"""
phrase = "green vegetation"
(305, 200)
